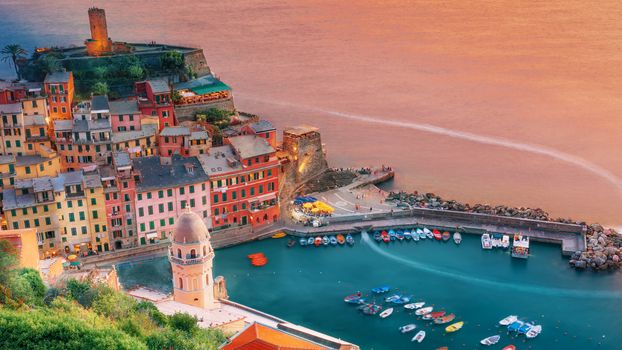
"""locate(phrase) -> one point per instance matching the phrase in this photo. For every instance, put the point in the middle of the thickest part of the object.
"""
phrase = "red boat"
(509, 347)
(437, 234)
(385, 236)
(433, 315)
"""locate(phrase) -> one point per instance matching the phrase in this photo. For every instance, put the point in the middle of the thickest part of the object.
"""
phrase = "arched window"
(265, 217)
(179, 253)
(181, 283)
(193, 254)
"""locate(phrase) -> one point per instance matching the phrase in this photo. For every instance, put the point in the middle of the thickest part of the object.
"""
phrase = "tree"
(172, 60)
(50, 64)
(100, 88)
(135, 72)
(100, 72)
(13, 52)
(183, 322)
(215, 116)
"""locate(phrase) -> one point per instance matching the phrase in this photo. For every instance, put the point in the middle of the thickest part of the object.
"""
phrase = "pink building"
(166, 187)
(263, 129)
(155, 99)
(184, 141)
(124, 115)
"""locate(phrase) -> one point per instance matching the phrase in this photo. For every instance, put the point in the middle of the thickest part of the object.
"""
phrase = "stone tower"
(191, 256)
(99, 43)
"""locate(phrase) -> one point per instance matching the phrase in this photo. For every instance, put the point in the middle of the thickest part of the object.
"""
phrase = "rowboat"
(534, 331)
(333, 240)
(386, 313)
(433, 315)
(302, 242)
(407, 235)
(419, 337)
(514, 326)
(423, 311)
(377, 236)
(399, 235)
(454, 327)
(445, 319)
(279, 235)
(310, 240)
(408, 328)
(509, 347)
(291, 242)
(492, 340)
(392, 235)
(421, 233)
(508, 320)
(385, 236)
(457, 237)
(446, 236)
(525, 328)
(403, 299)
(340, 239)
(353, 298)
(413, 306)
(325, 240)
(415, 235)
(349, 239)
(392, 298)
(437, 234)
(371, 309)
(381, 289)
(318, 241)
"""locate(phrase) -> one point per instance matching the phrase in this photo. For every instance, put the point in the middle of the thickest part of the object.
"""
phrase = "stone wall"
(186, 112)
(196, 60)
(306, 155)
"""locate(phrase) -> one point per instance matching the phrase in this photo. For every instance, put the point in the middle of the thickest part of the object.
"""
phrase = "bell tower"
(99, 43)
(191, 256)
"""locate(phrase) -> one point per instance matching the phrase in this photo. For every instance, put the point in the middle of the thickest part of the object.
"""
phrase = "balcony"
(193, 261)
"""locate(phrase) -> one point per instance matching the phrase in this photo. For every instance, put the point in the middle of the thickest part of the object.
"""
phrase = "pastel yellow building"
(25, 242)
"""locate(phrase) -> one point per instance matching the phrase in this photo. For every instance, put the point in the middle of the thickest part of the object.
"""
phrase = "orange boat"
(341, 239)
(509, 347)
(255, 255)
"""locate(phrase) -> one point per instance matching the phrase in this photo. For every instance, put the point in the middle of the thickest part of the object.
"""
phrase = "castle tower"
(99, 43)
(191, 256)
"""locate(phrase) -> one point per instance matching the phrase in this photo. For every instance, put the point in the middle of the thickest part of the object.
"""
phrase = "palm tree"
(13, 52)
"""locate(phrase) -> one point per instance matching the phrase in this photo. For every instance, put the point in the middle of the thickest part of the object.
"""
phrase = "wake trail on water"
(463, 135)
(559, 292)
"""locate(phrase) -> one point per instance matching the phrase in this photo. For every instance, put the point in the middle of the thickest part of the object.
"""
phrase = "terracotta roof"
(260, 337)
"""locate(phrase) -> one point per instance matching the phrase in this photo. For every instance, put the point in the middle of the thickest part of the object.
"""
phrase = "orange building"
(25, 242)
(59, 89)
(261, 337)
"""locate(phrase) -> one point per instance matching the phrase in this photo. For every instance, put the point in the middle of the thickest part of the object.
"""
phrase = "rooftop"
(199, 135)
(262, 126)
(300, 130)
(29, 160)
(259, 336)
(6, 159)
(11, 108)
(99, 103)
(89, 125)
(219, 160)
(156, 175)
(248, 146)
(159, 86)
(147, 130)
(63, 125)
(121, 159)
(124, 107)
(203, 85)
(57, 77)
(175, 131)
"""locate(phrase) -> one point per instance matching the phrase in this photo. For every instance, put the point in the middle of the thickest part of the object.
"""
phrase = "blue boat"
(310, 240)
(302, 242)
(377, 237)
(403, 299)
(514, 326)
(525, 328)
(354, 298)
(371, 309)
(333, 240)
(415, 235)
(381, 289)
(392, 235)
(392, 298)
(349, 239)
(325, 240)
(407, 235)
(399, 235)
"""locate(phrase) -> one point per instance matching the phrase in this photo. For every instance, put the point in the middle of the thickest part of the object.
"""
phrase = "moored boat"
(492, 340)
(486, 242)
(325, 240)
(340, 239)
(415, 235)
(386, 313)
(333, 240)
(279, 235)
(392, 235)
(392, 298)
(310, 240)
(514, 326)
(525, 328)
(407, 235)
(454, 327)
(433, 315)
(423, 311)
(534, 331)
(302, 242)
(408, 328)
(509, 347)
(505, 242)
(399, 235)
(520, 247)
(437, 234)
(353, 298)
(413, 306)
(445, 319)
(318, 241)
(385, 237)
(381, 289)
(371, 309)
(457, 237)
(421, 233)
(291, 242)
(428, 233)
(446, 236)
(349, 239)
(377, 236)
(419, 337)
(508, 320)
(404, 299)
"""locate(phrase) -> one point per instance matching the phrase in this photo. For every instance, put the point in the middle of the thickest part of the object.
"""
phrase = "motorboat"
(341, 239)
(385, 237)
(407, 235)
(317, 241)
(291, 242)
(534, 331)
(333, 240)
(508, 320)
(404, 299)
(349, 239)
(437, 234)
(408, 328)
(381, 289)
(392, 235)
(302, 242)
(419, 337)
(413, 306)
(428, 233)
(279, 235)
(486, 242)
(457, 238)
(353, 298)
(525, 328)
(386, 313)
(371, 309)
(445, 319)
(446, 236)
(492, 340)
(505, 242)
(377, 237)
(520, 246)
(325, 240)
(421, 233)
(399, 235)
(415, 235)
(454, 327)
(310, 240)
(514, 326)
(392, 298)
(423, 311)
(433, 315)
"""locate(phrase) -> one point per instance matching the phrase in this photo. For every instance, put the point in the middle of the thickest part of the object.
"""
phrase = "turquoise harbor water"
(306, 285)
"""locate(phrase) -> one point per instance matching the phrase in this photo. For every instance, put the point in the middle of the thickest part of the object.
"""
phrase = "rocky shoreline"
(603, 248)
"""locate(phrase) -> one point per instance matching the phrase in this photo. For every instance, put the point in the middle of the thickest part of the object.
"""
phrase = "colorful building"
(262, 128)
(25, 243)
(259, 336)
(125, 115)
(186, 141)
(138, 143)
(155, 99)
(166, 187)
(59, 90)
(243, 182)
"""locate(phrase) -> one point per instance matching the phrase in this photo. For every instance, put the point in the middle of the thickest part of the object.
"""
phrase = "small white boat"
(457, 237)
(419, 337)
(408, 328)
(428, 233)
(392, 298)
(386, 313)
(490, 340)
(508, 320)
(421, 233)
(534, 331)
(423, 311)
(413, 306)
(415, 235)
(486, 241)
(505, 242)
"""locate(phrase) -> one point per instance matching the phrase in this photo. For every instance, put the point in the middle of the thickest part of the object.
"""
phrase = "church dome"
(190, 229)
